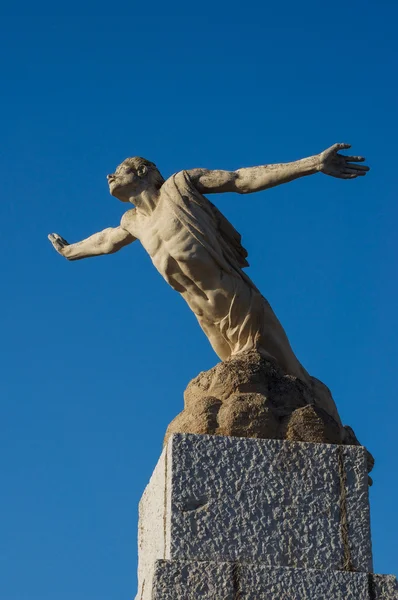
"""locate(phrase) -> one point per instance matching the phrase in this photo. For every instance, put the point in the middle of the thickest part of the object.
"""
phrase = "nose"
(111, 176)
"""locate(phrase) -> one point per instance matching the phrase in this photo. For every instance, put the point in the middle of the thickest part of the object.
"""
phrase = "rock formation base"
(249, 396)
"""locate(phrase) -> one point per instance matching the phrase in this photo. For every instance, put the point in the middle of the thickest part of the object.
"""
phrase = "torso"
(229, 308)
(181, 259)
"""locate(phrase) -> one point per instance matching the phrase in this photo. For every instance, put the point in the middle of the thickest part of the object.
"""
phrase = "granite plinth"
(276, 503)
(177, 580)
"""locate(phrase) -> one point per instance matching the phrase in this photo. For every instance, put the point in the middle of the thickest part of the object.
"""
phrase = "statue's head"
(132, 177)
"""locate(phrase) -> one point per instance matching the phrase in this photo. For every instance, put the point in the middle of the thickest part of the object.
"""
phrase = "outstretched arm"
(255, 179)
(105, 242)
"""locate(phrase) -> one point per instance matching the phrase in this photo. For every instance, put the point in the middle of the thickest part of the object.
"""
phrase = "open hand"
(343, 167)
(59, 243)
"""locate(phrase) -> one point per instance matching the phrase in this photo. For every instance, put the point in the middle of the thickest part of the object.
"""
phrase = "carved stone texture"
(250, 396)
(279, 503)
(177, 580)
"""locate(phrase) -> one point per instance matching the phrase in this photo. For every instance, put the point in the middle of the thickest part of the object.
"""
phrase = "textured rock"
(216, 498)
(311, 424)
(249, 396)
(176, 580)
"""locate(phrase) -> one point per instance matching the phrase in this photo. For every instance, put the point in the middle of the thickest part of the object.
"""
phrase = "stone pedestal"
(228, 518)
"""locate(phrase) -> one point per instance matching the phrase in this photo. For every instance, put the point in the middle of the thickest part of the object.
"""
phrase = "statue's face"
(125, 182)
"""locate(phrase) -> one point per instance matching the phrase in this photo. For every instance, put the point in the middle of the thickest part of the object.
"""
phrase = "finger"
(355, 158)
(57, 245)
(341, 146)
(57, 241)
(355, 172)
(358, 167)
(62, 241)
(342, 175)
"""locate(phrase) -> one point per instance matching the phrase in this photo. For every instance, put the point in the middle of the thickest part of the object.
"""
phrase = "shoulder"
(178, 176)
(190, 175)
(178, 182)
(128, 218)
(180, 179)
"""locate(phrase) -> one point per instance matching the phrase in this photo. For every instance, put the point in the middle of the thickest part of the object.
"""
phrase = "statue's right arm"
(107, 241)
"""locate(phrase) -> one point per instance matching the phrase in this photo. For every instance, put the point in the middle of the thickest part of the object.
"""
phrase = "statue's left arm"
(255, 179)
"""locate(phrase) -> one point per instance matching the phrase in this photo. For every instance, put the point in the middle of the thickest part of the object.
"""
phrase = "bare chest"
(175, 251)
(162, 231)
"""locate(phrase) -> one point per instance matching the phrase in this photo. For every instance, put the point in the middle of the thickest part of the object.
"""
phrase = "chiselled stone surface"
(216, 498)
(384, 587)
(177, 580)
(280, 503)
(250, 396)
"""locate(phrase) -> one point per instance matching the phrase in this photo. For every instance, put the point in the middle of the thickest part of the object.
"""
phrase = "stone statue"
(199, 253)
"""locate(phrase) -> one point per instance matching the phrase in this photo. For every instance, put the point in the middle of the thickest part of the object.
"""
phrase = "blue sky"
(96, 354)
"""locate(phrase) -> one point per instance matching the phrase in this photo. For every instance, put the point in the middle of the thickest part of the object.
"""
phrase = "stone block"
(178, 580)
(279, 503)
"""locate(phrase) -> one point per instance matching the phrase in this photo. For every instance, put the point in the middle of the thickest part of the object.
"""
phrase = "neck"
(146, 201)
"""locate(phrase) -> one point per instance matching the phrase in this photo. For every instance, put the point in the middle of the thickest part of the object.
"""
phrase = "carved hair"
(137, 161)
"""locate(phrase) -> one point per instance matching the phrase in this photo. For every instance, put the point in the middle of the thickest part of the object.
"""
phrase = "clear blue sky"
(96, 354)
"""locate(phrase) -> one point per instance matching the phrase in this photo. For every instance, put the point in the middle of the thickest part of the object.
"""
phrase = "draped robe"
(228, 306)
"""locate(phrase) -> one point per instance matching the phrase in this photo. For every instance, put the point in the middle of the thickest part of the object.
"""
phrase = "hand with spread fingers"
(58, 242)
(337, 165)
